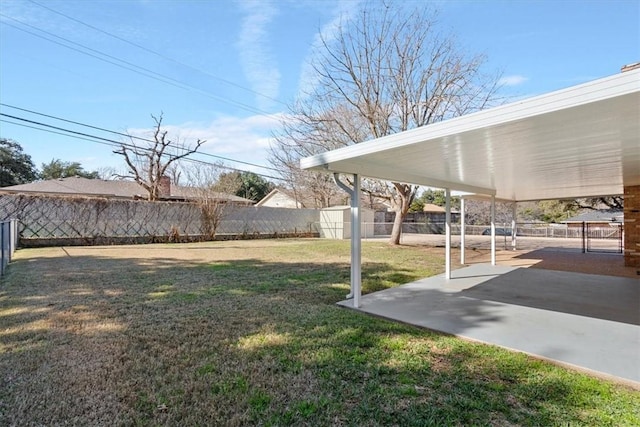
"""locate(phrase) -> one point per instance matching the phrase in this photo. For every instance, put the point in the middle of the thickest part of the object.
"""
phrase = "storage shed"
(335, 222)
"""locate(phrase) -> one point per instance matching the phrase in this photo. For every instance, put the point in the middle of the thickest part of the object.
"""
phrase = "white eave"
(581, 141)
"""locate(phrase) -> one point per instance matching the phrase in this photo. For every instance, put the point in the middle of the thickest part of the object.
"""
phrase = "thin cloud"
(256, 56)
(246, 139)
(514, 80)
(343, 12)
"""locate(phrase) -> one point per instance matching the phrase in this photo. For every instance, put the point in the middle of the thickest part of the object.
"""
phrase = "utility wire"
(105, 141)
(132, 67)
(74, 122)
(66, 130)
(148, 73)
(130, 136)
(118, 144)
(57, 132)
(146, 49)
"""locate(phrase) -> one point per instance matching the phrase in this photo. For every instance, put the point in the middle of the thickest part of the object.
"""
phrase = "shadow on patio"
(587, 321)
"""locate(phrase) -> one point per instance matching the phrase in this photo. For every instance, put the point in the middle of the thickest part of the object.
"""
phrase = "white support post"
(356, 247)
(462, 230)
(514, 213)
(493, 230)
(356, 250)
(447, 256)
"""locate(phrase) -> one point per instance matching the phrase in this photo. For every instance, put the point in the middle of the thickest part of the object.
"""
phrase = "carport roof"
(582, 141)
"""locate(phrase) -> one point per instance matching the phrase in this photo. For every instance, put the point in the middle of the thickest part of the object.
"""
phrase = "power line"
(146, 49)
(55, 132)
(62, 129)
(73, 122)
(130, 136)
(118, 144)
(130, 67)
(148, 73)
(109, 142)
(133, 67)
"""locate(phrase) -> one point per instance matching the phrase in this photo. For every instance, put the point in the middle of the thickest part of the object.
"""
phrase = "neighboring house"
(77, 186)
(433, 214)
(279, 199)
(431, 208)
(436, 214)
(376, 204)
(604, 218)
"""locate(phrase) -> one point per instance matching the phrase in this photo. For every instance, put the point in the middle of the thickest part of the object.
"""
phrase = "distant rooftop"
(115, 189)
(610, 215)
(430, 207)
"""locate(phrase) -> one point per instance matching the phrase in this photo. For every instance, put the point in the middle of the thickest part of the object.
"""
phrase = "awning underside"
(579, 142)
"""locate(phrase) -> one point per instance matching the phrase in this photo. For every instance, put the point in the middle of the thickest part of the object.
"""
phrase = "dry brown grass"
(246, 333)
(111, 335)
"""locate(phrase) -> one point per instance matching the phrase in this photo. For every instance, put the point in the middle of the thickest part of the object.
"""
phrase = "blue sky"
(224, 71)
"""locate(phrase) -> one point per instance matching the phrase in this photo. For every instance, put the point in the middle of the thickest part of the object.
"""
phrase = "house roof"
(343, 208)
(80, 186)
(583, 141)
(117, 189)
(608, 215)
(430, 207)
(276, 192)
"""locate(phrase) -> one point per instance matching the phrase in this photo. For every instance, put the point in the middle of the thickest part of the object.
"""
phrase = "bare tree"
(174, 172)
(149, 163)
(386, 71)
(478, 212)
(211, 194)
(304, 134)
(611, 202)
(107, 173)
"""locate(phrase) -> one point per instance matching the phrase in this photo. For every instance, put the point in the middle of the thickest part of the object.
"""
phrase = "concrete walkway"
(587, 321)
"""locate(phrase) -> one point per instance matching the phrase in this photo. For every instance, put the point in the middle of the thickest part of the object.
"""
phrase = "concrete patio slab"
(586, 321)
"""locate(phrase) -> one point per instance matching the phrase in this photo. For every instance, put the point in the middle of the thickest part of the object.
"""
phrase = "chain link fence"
(55, 220)
(64, 220)
(589, 237)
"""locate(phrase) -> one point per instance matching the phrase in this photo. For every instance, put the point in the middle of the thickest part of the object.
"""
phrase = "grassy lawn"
(247, 333)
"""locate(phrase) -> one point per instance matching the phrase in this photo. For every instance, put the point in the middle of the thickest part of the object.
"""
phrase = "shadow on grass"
(85, 292)
(375, 372)
(105, 340)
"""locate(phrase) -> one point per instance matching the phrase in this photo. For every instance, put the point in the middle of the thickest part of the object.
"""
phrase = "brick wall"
(632, 226)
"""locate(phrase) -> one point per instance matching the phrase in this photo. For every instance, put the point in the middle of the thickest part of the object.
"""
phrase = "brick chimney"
(630, 67)
(164, 187)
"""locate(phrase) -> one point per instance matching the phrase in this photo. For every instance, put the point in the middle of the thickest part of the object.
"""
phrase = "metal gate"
(604, 238)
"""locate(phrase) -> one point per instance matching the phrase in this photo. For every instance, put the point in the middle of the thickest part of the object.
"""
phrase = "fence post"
(14, 236)
(621, 238)
(1, 248)
(583, 237)
(462, 230)
(3, 255)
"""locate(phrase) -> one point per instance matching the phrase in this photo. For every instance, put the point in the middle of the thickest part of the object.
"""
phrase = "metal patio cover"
(577, 142)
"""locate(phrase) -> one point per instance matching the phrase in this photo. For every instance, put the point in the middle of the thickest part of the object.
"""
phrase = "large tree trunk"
(401, 206)
(396, 232)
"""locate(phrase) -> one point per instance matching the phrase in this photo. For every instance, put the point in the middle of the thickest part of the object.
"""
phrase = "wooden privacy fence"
(55, 220)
